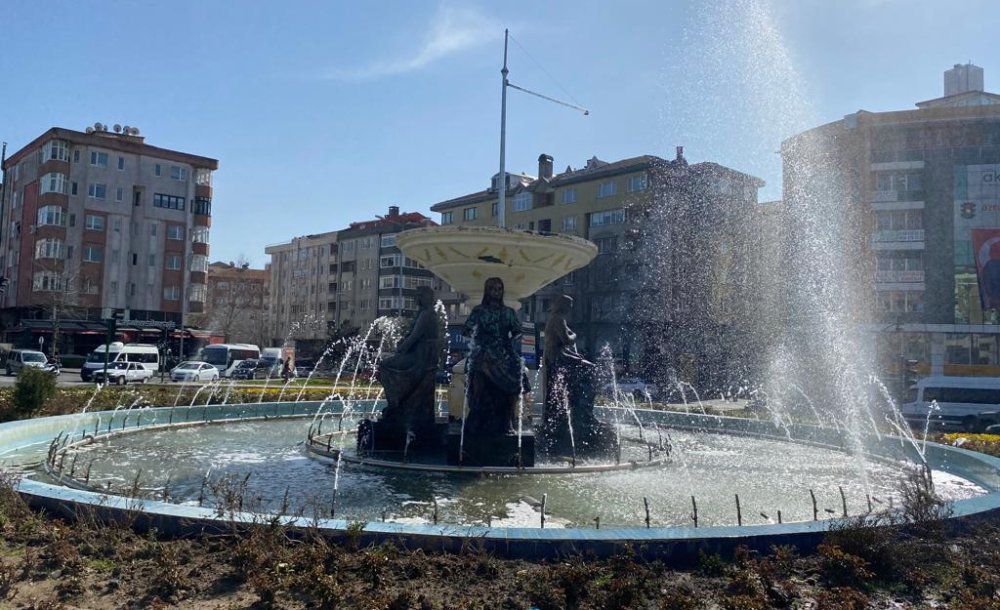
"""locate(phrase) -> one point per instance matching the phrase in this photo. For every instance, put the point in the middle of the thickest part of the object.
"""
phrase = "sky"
(326, 113)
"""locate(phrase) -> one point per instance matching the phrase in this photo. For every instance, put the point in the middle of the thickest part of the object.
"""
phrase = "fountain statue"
(409, 376)
(568, 421)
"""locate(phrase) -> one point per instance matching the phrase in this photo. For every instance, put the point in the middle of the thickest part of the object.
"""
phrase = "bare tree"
(237, 302)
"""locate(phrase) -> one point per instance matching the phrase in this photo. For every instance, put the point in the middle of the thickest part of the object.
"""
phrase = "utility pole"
(3, 205)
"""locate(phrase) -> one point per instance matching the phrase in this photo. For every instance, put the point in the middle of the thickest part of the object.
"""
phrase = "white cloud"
(452, 30)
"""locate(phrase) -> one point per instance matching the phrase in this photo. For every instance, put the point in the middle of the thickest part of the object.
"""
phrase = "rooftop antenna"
(502, 189)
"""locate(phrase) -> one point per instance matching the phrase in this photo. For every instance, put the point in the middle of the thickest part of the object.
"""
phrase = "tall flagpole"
(502, 187)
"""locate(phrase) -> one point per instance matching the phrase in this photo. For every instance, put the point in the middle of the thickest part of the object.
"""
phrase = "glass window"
(47, 281)
(173, 262)
(99, 159)
(170, 202)
(608, 217)
(121, 163)
(388, 241)
(447, 218)
(607, 189)
(157, 170)
(49, 248)
(152, 229)
(178, 173)
(119, 194)
(56, 150)
(199, 262)
(569, 223)
(469, 214)
(94, 223)
(92, 254)
(199, 235)
(171, 293)
(51, 215)
(568, 195)
(54, 183)
(522, 202)
(637, 183)
(175, 232)
(97, 190)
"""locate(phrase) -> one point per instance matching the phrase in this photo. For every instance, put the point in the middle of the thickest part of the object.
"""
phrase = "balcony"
(899, 239)
(898, 277)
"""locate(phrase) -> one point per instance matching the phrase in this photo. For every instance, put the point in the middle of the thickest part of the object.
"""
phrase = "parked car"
(256, 369)
(123, 372)
(634, 386)
(17, 359)
(194, 370)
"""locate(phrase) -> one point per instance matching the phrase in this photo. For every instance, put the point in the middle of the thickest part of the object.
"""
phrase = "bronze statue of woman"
(495, 371)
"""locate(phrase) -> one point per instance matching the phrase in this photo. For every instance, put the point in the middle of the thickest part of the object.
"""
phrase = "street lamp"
(502, 186)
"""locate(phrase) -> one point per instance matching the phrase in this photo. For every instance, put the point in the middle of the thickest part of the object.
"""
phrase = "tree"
(237, 302)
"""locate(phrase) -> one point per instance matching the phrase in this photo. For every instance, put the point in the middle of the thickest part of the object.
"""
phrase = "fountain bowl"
(466, 257)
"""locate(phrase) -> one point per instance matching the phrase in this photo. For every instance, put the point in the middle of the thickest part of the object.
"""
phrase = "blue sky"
(324, 113)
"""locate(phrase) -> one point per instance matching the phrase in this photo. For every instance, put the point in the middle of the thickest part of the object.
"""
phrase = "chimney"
(963, 78)
(680, 153)
(393, 211)
(545, 166)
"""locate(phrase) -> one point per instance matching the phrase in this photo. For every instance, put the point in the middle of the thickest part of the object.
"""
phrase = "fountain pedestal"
(490, 450)
(382, 437)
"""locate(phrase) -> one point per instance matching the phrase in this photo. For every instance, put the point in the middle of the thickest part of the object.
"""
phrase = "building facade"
(303, 278)
(914, 187)
(237, 303)
(99, 223)
(661, 263)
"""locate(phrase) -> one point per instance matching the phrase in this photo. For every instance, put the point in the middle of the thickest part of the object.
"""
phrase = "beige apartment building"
(98, 223)
(672, 264)
(237, 304)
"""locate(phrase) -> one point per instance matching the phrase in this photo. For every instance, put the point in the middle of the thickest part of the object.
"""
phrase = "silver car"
(194, 370)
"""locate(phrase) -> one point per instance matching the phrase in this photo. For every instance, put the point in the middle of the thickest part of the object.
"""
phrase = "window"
(522, 202)
(569, 223)
(76, 156)
(202, 205)
(94, 223)
(89, 286)
(56, 150)
(156, 170)
(199, 262)
(121, 163)
(51, 215)
(170, 202)
(469, 214)
(390, 260)
(116, 224)
(92, 254)
(608, 217)
(637, 183)
(97, 190)
(199, 235)
(113, 287)
(152, 260)
(493, 209)
(119, 194)
(48, 281)
(173, 262)
(175, 232)
(152, 229)
(606, 189)
(388, 241)
(203, 176)
(53, 183)
(606, 245)
(72, 189)
(49, 248)
(388, 281)
(364, 284)
(171, 293)
(899, 220)
(568, 196)
(899, 180)
(365, 243)
(99, 159)
(178, 173)
(899, 301)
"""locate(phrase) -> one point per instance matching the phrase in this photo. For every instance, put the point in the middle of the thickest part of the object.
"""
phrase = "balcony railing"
(900, 235)
(894, 277)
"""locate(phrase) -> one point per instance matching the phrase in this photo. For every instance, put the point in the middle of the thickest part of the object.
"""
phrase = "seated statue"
(495, 372)
(569, 389)
(408, 376)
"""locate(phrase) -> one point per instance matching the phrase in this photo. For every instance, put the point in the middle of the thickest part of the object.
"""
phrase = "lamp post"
(502, 185)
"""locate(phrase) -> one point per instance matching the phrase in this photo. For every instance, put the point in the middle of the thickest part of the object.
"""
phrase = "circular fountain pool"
(261, 459)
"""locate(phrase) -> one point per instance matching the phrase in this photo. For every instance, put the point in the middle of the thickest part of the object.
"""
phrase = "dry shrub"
(9, 576)
(841, 598)
(841, 567)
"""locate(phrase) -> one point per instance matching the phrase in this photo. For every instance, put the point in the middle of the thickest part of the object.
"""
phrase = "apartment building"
(915, 188)
(658, 226)
(303, 279)
(237, 303)
(373, 277)
(98, 223)
(344, 279)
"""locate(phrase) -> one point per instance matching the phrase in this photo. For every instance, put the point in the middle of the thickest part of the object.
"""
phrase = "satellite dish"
(98, 127)
(117, 128)
(135, 131)
(89, 130)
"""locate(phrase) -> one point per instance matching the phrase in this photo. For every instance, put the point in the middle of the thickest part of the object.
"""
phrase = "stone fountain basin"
(466, 256)
(19, 441)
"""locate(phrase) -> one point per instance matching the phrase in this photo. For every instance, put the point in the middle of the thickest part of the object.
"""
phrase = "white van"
(969, 403)
(145, 354)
